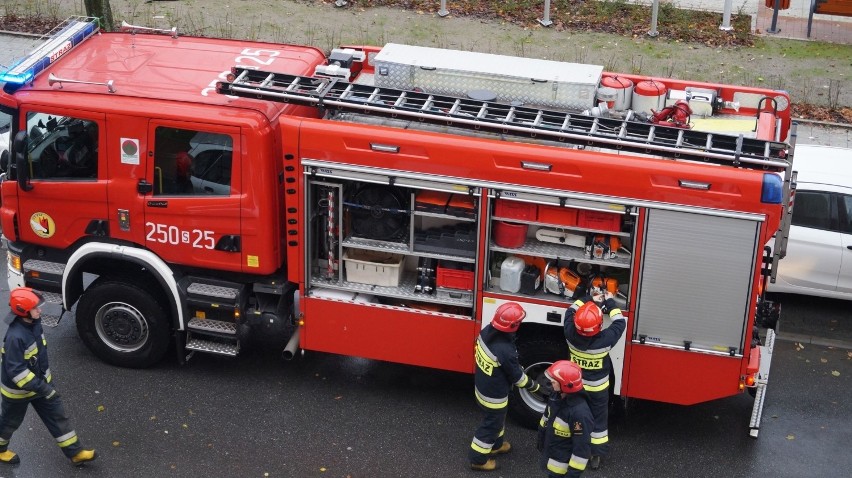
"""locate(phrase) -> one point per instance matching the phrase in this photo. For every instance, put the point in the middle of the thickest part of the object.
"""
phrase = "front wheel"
(535, 355)
(123, 324)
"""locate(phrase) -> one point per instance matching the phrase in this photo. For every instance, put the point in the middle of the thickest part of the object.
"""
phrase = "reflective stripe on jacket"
(592, 353)
(497, 368)
(24, 367)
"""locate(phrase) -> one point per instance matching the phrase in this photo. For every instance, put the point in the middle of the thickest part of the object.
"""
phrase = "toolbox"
(431, 201)
(529, 81)
(461, 205)
(455, 275)
(524, 211)
(602, 221)
(557, 215)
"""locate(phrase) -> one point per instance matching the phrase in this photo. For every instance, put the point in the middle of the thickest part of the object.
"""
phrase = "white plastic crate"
(373, 267)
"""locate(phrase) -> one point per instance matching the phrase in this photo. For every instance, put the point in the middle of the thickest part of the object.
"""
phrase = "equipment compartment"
(390, 240)
(569, 242)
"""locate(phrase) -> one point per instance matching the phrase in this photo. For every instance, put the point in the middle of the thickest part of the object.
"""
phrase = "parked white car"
(819, 250)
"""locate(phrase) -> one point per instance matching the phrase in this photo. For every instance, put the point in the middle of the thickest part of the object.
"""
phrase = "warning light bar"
(60, 41)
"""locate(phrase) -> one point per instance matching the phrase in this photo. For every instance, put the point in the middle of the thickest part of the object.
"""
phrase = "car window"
(62, 147)
(192, 163)
(846, 226)
(812, 209)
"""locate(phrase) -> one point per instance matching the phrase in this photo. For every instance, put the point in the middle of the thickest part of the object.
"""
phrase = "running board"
(762, 381)
(212, 336)
(48, 319)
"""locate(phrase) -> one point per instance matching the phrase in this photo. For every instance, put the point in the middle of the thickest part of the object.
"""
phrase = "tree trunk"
(102, 10)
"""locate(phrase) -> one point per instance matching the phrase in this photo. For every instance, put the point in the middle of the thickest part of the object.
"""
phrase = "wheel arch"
(119, 257)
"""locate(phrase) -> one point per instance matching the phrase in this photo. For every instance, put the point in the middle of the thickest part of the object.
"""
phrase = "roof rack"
(646, 138)
(59, 41)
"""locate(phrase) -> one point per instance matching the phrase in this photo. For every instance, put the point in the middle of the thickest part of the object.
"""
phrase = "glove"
(546, 390)
(609, 304)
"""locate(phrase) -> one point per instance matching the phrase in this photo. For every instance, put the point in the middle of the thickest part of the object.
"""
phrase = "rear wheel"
(123, 324)
(535, 355)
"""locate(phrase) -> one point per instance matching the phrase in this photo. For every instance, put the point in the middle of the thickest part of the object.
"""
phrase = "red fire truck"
(383, 202)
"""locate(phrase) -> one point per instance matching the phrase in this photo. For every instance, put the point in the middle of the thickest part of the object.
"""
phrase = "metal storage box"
(529, 81)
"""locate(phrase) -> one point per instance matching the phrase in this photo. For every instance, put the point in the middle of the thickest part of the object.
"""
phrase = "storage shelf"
(404, 291)
(556, 251)
(374, 245)
(540, 294)
(558, 226)
(399, 248)
(444, 216)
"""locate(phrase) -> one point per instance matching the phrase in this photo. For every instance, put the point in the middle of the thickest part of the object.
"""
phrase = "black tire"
(123, 324)
(536, 355)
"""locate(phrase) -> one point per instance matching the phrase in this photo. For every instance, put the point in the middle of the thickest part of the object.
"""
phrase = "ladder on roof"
(337, 94)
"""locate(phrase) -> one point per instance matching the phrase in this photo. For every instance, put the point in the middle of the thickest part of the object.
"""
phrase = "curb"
(827, 124)
(813, 340)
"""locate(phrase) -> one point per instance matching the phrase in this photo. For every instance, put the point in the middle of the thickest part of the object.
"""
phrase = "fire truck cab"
(383, 202)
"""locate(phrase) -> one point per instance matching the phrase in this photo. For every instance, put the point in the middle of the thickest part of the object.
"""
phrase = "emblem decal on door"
(42, 225)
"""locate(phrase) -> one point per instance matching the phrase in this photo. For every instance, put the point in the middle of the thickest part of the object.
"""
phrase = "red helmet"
(568, 374)
(508, 317)
(588, 319)
(23, 299)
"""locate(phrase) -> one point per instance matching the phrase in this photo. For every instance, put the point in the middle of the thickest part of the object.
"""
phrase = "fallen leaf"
(116, 443)
(823, 360)
(835, 373)
(185, 425)
(791, 437)
(338, 397)
(322, 469)
(101, 408)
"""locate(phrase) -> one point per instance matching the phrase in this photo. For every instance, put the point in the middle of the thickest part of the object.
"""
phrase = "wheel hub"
(121, 327)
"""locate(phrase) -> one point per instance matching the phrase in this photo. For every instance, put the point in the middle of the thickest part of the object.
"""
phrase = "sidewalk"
(792, 23)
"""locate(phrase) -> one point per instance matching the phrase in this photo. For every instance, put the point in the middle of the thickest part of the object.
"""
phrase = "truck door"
(192, 212)
(66, 199)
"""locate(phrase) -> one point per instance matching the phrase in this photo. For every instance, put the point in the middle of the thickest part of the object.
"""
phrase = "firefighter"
(25, 380)
(563, 432)
(497, 369)
(589, 347)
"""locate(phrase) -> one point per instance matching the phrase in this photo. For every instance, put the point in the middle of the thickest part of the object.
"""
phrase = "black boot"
(595, 462)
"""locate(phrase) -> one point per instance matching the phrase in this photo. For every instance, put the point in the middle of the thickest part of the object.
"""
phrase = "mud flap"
(762, 380)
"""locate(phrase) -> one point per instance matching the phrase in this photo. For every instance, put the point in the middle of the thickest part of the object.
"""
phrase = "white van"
(819, 250)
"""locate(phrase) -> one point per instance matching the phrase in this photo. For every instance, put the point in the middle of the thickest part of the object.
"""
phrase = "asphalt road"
(323, 415)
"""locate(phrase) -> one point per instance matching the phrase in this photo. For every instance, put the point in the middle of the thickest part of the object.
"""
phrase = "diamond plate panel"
(529, 81)
(213, 347)
(217, 326)
(212, 290)
(44, 267)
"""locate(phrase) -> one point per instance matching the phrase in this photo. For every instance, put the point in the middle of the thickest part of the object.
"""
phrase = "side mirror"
(19, 148)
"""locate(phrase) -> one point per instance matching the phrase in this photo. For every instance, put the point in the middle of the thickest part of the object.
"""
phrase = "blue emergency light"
(60, 41)
(773, 189)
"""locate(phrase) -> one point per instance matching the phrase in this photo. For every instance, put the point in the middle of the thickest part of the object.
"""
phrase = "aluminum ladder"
(335, 94)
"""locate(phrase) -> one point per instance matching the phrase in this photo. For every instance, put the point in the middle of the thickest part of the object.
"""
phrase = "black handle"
(849, 247)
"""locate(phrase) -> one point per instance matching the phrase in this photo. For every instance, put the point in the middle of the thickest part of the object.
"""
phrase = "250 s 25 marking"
(166, 234)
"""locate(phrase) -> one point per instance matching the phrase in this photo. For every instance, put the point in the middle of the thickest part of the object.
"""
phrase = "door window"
(189, 162)
(5, 140)
(846, 223)
(62, 147)
(813, 209)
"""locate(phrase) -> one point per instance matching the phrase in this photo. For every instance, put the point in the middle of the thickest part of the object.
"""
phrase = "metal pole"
(443, 12)
(774, 28)
(655, 8)
(545, 21)
(726, 17)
